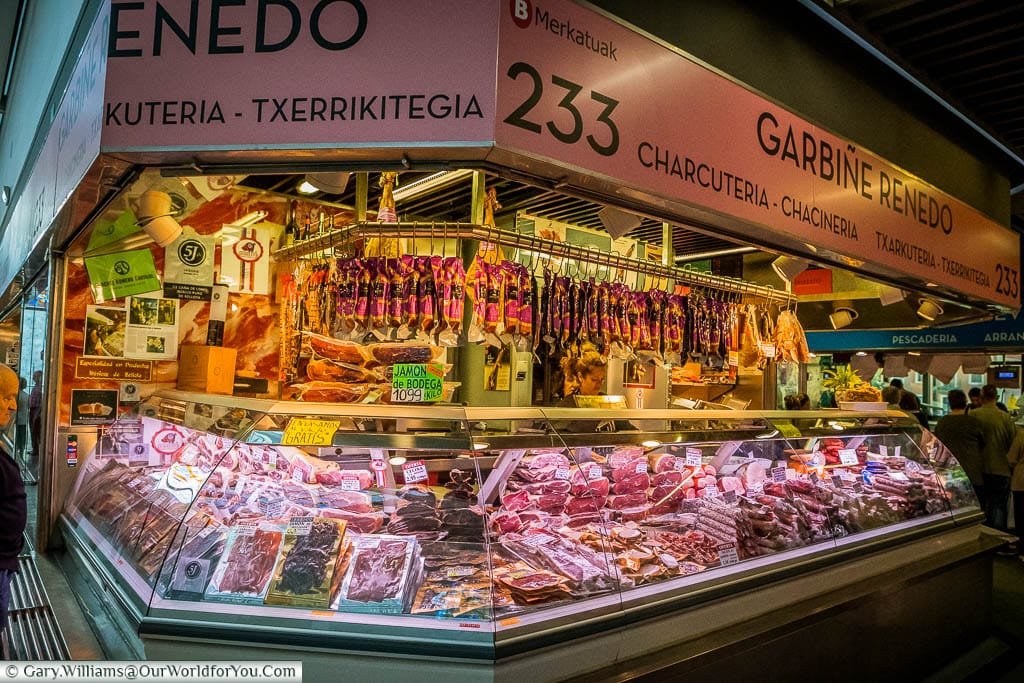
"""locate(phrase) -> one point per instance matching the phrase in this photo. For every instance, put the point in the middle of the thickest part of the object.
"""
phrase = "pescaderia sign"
(574, 89)
(1006, 333)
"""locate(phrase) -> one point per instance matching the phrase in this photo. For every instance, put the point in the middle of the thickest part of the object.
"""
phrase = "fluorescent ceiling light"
(305, 187)
(432, 182)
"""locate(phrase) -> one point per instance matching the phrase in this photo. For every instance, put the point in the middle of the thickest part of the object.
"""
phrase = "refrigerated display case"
(472, 533)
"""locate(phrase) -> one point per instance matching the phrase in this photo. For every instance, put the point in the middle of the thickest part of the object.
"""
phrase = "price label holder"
(414, 471)
(755, 489)
(562, 473)
(594, 472)
(848, 456)
(898, 476)
(727, 555)
(379, 465)
(883, 450)
(693, 457)
(350, 483)
(730, 497)
(837, 481)
(778, 474)
(813, 476)
(417, 382)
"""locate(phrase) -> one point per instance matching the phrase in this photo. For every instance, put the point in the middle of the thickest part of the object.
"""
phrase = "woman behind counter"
(585, 375)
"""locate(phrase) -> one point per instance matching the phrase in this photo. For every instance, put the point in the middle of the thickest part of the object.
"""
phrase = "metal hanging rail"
(340, 236)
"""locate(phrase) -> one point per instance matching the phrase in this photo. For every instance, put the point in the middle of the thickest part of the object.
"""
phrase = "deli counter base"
(899, 611)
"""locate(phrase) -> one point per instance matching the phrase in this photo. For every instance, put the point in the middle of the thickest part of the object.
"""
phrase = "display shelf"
(421, 522)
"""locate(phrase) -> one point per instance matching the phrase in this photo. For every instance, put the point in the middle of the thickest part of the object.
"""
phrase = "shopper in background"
(974, 396)
(999, 432)
(891, 395)
(909, 403)
(799, 401)
(22, 427)
(1016, 460)
(584, 373)
(35, 417)
(964, 435)
(13, 509)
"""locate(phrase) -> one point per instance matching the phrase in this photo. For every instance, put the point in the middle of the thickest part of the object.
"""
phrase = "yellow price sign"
(304, 431)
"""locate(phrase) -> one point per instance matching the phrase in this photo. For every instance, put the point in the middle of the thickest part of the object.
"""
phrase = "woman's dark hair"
(909, 402)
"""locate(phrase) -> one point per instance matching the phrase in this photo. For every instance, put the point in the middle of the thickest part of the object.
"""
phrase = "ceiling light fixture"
(156, 219)
(842, 316)
(788, 267)
(929, 309)
(306, 187)
(434, 181)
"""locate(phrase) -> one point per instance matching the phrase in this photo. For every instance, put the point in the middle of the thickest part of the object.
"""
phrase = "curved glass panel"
(462, 524)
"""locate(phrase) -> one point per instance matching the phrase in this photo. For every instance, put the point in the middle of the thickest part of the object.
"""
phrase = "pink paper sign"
(299, 74)
(577, 88)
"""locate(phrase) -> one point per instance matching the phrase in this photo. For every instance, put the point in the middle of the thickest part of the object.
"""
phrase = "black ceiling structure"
(970, 53)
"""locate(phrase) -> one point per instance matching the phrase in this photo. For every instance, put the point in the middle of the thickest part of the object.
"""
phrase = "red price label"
(414, 471)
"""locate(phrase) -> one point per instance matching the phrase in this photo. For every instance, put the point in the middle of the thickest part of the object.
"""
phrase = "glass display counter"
(460, 530)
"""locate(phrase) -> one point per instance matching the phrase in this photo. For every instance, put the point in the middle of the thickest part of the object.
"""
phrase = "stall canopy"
(557, 93)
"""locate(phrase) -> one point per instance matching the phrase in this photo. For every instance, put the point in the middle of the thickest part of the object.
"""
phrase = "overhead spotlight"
(330, 183)
(156, 218)
(788, 267)
(929, 309)
(890, 295)
(842, 316)
(618, 223)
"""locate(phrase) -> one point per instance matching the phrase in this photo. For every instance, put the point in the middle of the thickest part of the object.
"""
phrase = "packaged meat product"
(332, 392)
(352, 501)
(305, 574)
(397, 352)
(245, 568)
(362, 522)
(346, 479)
(336, 349)
(397, 277)
(331, 371)
(426, 292)
(380, 575)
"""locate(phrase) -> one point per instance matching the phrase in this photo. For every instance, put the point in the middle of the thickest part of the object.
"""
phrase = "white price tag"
(728, 555)
(913, 466)
(896, 450)
(298, 476)
(247, 528)
(300, 526)
(414, 471)
(755, 489)
(883, 450)
(562, 473)
(640, 467)
(350, 484)
(678, 464)
(778, 474)
(271, 508)
(848, 456)
(594, 472)
(767, 349)
(538, 539)
(712, 492)
(898, 476)
(693, 457)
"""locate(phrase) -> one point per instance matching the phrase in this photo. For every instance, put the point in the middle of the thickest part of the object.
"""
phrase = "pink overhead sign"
(299, 74)
(578, 88)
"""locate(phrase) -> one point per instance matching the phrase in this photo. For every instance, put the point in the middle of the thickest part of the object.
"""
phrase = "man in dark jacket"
(12, 495)
(964, 435)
